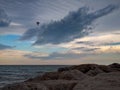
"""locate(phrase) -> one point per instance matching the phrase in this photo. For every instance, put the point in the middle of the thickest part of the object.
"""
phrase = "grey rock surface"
(79, 77)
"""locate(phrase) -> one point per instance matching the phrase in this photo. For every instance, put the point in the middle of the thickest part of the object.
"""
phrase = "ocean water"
(17, 73)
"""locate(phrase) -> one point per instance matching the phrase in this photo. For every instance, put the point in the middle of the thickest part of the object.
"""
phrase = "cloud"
(53, 56)
(75, 54)
(11, 56)
(75, 25)
(86, 43)
(70, 54)
(85, 49)
(112, 43)
(29, 34)
(2, 47)
(4, 19)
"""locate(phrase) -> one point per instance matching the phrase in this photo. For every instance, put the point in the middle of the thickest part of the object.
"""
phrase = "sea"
(18, 73)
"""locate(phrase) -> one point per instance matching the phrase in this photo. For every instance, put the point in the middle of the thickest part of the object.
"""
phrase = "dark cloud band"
(4, 20)
(75, 25)
(2, 47)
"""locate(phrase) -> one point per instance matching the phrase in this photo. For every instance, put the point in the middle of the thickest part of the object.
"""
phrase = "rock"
(35, 79)
(115, 66)
(16, 87)
(66, 75)
(46, 76)
(103, 81)
(94, 72)
(87, 68)
(50, 76)
(78, 77)
(72, 75)
(60, 84)
(44, 85)
(105, 68)
(26, 86)
(64, 69)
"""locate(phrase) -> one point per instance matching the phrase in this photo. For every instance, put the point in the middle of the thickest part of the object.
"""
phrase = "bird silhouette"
(37, 23)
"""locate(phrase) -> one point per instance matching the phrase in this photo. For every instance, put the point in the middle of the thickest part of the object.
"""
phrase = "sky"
(70, 32)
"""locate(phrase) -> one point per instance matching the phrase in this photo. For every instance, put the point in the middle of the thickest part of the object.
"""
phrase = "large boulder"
(103, 81)
(89, 69)
(26, 86)
(79, 77)
(94, 72)
(72, 75)
(115, 66)
(44, 85)
(66, 75)
(60, 84)
(46, 76)
(50, 76)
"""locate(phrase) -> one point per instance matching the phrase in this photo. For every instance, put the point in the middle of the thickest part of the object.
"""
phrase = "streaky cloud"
(86, 49)
(113, 43)
(29, 34)
(2, 47)
(74, 25)
(55, 55)
(4, 19)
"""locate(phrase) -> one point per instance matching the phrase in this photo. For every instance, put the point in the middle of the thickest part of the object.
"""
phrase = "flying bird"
(37, 23)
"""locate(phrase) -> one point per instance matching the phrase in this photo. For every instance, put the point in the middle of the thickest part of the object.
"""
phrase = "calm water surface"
(17, 73)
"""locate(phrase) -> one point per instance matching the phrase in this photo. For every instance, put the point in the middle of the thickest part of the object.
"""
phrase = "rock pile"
(79, 77)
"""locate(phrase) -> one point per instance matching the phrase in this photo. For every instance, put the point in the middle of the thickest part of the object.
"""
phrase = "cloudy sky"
(70, 32)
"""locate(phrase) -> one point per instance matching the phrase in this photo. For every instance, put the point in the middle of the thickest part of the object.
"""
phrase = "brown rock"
(94, 72)
(60, 84)
(115, 66)
(26, 86)
(74, 78)
(46, 76)
(103, 81)
(44, 85)
(50, 76)
(64, 69)
(85, 68)
(72, 75)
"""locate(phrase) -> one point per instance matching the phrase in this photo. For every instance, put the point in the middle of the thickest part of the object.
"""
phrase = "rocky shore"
(79, 77)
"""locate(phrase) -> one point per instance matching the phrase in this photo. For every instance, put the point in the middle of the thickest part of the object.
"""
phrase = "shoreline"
(77, 77)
